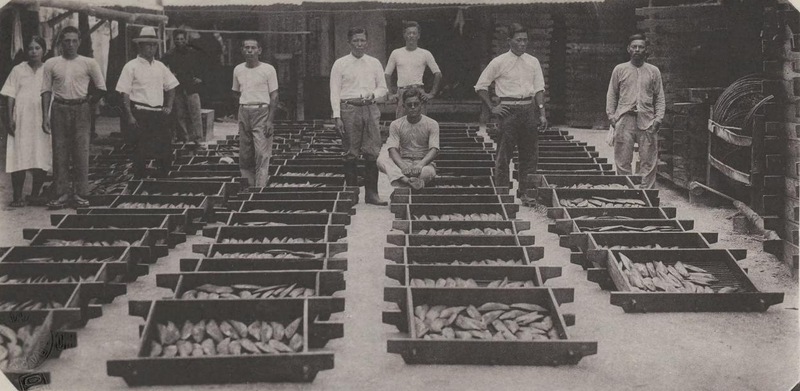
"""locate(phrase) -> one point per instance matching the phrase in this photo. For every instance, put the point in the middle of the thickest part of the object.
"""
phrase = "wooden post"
(757, 162)
(301, 76)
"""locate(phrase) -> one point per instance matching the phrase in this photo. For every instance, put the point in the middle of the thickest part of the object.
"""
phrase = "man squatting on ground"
(148, 88)
(519, 83)
(186, 64)
(635, 105)
(256, 83)
(410, 62)
(65, 82)
(357, 81)
(412, 145)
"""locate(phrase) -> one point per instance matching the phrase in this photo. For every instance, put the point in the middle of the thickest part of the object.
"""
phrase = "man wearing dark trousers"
(186, 64)
(519, 83)
(357, 81)
(65, 82)
(148, 88)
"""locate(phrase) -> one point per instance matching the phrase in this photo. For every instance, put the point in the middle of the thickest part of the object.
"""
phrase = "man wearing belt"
(148, 89)
(356, 82)
(256, 83)
(65, 83)
(412, 145)
(519, 83)
(410, 62)
(635, 105)
(186, 64)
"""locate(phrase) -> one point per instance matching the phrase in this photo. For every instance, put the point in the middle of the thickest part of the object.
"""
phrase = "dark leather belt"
(358, 102)
(528, 99)
(254, 105)
(71, 102)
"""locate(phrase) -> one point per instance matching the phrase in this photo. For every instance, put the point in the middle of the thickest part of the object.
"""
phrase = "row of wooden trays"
(474, 266)
(621, 235)
(255, 289)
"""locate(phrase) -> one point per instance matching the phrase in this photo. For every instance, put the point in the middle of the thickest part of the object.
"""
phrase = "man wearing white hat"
(148, 89)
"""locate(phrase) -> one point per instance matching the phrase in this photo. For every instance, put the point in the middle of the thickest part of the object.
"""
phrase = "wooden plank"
(728, 171)
(727, 134)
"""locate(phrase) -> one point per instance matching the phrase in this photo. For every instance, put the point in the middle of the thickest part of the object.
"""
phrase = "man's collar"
(140, 58)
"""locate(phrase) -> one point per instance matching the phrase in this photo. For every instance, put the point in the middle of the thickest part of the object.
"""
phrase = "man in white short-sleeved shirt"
(256, 83)
(410, 62)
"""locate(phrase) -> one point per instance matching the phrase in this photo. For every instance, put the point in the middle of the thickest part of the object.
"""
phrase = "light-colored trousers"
(189, 124)
(394, 173)
(627, 134)
(255, 146)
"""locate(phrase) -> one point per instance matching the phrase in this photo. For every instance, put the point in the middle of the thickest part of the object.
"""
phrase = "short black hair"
(410, 24)
(356, 30)
(516, 28)
(251, 38)
(411, 93)
(637, 37)
(178, 32)
(67, 30)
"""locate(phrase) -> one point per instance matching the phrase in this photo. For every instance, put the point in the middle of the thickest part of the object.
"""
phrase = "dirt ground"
(676, 351)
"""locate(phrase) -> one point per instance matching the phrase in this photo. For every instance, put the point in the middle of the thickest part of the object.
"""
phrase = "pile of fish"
(80, 259)
(639, 247)
(247, 291)
(112, 182)
(90, 243)
(228, 337)
(259, 224)
(268, 240)
(327, 174)
(626, 228)
(154, 205)
(15, 346)
(680, 277)
(485, 262)
(602, 202)
(462, 217)
(591, 186)
(307, 184)
(490, 321)
(453, 186)
(188, 194)
(5, 279)
(473, 231)
(458, 282)
(277, 254)
(287, 211)
(29, 305)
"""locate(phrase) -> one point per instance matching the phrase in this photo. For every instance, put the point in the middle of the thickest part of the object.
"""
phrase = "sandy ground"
(681, 351)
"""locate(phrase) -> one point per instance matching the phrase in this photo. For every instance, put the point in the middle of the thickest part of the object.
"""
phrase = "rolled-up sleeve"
(538, 76)
(380, 80)
(487, 76)
(336, 87)
(125, 81)
(433, 137)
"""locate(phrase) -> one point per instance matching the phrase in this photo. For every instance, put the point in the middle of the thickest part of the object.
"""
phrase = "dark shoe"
(371, 184)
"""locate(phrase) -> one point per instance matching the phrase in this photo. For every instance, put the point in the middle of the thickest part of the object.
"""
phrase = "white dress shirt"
(514, 76)
(353, 78)
(145, 82)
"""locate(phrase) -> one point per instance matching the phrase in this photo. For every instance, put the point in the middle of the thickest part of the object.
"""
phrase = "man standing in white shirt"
(519, 83)
(148, 89)
(357, 81)
(410, 62)
(257, 85)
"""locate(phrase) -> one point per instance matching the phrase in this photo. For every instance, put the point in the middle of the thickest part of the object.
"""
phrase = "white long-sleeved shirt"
(353, 78)
(514, 76)
(639, 89)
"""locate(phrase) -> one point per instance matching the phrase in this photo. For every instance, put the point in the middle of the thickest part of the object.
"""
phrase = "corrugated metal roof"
(265, 3)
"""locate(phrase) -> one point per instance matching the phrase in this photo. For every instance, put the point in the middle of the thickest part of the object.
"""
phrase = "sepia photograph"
(404, 195)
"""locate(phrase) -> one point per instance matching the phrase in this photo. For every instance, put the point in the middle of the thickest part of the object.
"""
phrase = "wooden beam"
(58, 18)
(99, 12)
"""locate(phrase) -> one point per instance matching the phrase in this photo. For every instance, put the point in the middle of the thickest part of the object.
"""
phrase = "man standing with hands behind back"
(410, 62)
(635, 105)
(519, 83)
(256, 84)
(357, 81)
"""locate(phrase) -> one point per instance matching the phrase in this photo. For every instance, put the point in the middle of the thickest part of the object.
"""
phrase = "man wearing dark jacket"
(185, 62)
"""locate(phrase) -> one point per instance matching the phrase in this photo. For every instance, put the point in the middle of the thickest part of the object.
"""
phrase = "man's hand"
(340, 127)
(656, 126)
(393, 98)
(46, 125)
(166, 110)
(500, 110)
(269, 129)
(542, 123)
(427, 97)
(196, 80)
(12, 126)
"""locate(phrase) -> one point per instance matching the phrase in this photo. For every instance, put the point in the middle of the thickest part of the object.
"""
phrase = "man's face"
(148, 49)
(70, 43)
(411, 35)
(358, 44)
(180, 40)
(251, 49)
(413, 106)
(519, 42)
(637, 49)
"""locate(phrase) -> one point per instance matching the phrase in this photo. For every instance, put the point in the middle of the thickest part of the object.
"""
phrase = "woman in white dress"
(29, 147)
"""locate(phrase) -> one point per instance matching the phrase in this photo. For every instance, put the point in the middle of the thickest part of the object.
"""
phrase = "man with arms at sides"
(357, 81)
(256, 84)
(412, 146)
(65, 83)
(186, 64)
(410, 62)
(148, 89)
(635, 105)
(519, 83)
